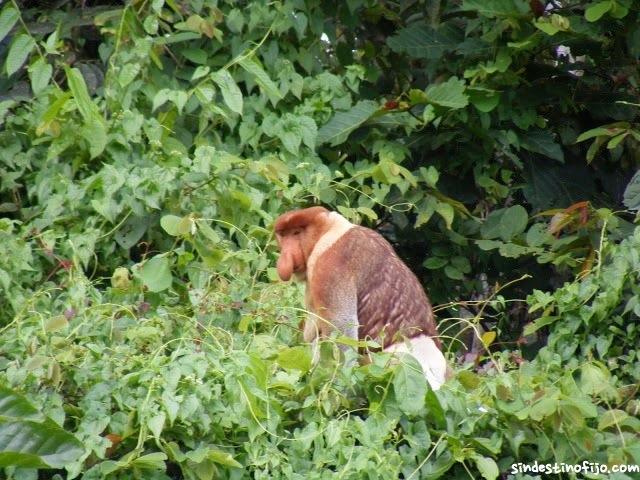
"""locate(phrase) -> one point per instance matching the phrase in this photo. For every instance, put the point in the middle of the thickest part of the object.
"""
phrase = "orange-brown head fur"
(297, 233)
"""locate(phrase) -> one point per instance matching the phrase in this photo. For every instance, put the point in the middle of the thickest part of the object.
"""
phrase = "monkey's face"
(292, 259)
(297, 233)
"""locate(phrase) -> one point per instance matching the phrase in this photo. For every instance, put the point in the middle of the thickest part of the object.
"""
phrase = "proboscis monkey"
(356, 284)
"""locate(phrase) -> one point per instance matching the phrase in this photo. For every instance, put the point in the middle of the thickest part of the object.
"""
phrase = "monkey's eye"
(297, 231)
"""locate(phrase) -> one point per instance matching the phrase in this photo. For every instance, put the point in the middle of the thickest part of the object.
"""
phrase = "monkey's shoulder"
(366, 239)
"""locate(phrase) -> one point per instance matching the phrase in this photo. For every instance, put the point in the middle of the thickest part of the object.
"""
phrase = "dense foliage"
(146, 148)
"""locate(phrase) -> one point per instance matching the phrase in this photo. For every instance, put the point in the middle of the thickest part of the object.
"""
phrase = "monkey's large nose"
(285, 267)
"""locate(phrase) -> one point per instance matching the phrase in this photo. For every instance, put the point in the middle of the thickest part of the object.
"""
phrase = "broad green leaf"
(151, 461)
(449, 94)
(128, 73)
(433, 263)
(538, 323)
(295, 358)
(593, 378)
(156, 424)
(290, 140)
(18, 52)
(336, 130)
(208, 232)
(30, 440)
(308, 130)
(94, 132)
(8, 19)
(230, 92)
(55, 323)
(409, 385)
(263, 80)
(552, 24)
(420, 41)
(631, 198)
(544, 407)
(15, 406)
(596, 10)
(497, 8)
(453, 273)
(177, 226)
(156, 274)
(223, 458)
(542, 142)
(490, 229)
(487, 466)
(40, 74)
(447, 212)
(468, 379)
(483, 99)
(513, 221)
(131, 231)
(612, 418)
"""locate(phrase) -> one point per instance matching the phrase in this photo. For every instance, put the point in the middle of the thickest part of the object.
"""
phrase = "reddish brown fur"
(358, 276)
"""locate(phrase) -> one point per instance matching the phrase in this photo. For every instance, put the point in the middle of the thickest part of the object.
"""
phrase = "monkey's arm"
(333, 302)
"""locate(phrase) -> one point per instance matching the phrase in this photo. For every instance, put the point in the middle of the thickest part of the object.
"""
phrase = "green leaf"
(55, 323)
(496, 8)
(513, 221)
(612, 418)
(594, 379)
(95, 128)
(18, 52)
(468, 379)
(449, 94)
(447, 212)
(8, 19)
(295, 358)
(631, 197)
(131, 231)
(336, 130)
(230, 92)
(156, 274)
(40, 73)
(543, 408)
(409, 385)
(615, 141)
(208, 232)
(78, 88)
(263, 80)
(176, 226)
(606, 131)
(596, 10)
(30, 440)
(538, 323)
(433, 263)
(151, 461)
(542, 142)
(223, 458)
(487, 467)
(420, 41)
(483, 99)
(94, 132)
(128, 73)
(453, 273)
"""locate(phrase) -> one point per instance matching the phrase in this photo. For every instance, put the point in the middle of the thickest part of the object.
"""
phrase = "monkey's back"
(391, 302)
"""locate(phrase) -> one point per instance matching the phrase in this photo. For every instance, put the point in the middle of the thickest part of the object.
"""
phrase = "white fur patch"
(339, 226)
(428, 355)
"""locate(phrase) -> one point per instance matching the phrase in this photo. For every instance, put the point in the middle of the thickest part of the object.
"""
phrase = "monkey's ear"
(285, 266)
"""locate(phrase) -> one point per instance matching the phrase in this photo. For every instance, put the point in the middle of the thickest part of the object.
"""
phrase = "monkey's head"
(297, 233)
